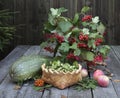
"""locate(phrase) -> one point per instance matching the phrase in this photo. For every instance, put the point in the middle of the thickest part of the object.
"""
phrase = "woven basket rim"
(60, 72)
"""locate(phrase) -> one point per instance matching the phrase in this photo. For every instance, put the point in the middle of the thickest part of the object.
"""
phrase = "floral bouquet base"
(61, 79)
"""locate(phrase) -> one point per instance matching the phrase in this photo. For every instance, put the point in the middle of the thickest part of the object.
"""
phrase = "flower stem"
(56, 48)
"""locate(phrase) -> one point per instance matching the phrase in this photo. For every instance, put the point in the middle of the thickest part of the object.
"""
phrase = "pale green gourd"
(26, 67)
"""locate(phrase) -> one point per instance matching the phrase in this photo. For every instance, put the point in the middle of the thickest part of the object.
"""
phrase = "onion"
(103, 80)
(97, 73)
(84, 72)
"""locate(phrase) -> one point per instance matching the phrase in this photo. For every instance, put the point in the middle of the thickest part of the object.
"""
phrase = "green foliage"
(76, 39)
(85, 9)
(76, 18)
(101, 28)
(6, 31)
(87, 55)
(64, 26)
(104, 50)
(41, 88)
(64, 47)
(65, 67)
(85, 84)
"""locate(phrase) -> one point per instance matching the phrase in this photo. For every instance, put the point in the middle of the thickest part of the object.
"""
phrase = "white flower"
(54, 11)
(95, 19)
(85, 31)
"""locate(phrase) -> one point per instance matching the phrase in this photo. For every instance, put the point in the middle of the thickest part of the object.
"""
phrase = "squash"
(26, 67)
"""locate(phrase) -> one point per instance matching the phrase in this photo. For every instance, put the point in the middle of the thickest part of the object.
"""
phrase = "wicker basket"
(61, 80)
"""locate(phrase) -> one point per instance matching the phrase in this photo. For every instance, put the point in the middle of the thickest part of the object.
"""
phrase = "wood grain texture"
(27, 91)
(8, 61)
(33, 14)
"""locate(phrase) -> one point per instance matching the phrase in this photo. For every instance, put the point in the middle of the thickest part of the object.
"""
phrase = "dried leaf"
(63, 96)
(116, 80)
(17, 87)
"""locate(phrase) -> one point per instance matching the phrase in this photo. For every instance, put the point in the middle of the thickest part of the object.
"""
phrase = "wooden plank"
(113, 66)
(55, 93)
(26, 88)
(8, 86)
(12, 57)
(72, 93)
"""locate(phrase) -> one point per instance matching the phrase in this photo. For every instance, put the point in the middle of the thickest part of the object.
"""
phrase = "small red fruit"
(103, 80)
(97, 73)
(84, 72)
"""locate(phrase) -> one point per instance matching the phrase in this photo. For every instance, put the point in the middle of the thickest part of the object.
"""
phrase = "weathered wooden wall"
(33, 14)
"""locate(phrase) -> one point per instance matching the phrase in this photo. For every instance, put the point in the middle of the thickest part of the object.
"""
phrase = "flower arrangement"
(73, 41)
(79, 39)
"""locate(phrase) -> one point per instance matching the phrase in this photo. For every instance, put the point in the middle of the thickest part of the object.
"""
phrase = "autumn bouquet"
(77, 39)
(73, 41)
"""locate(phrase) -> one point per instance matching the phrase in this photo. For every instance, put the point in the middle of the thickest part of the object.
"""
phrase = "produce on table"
(84, 72)
(103, 80)
(97, 73)
(26, 67)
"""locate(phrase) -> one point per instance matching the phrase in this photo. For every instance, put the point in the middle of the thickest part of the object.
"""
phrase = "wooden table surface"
(7, 86)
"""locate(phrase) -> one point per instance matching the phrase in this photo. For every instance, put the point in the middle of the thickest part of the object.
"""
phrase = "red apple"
(97, 73)
(84, 72)
(103, 80)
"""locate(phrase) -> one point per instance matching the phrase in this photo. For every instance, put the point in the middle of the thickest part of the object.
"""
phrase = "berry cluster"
(59, 38)
(98, 58)
(71, 40)
(98, 41)
(83, 37)
(48, 48)
(82, 45)
(39, 82)
(71, 56)
(87, 18)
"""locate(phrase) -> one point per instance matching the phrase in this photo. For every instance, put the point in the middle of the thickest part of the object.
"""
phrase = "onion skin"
(84, 72)
(103, 80)
(97, 73)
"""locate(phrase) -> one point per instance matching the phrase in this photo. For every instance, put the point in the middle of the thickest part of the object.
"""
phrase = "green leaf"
(61, 10)
(93, 35)
(85, 9)
(67, 36)
(74, 46)
(85, 24)
(54, 12)
(43, 44)
(49, 27)
(76, 30)
(101, 28)
(77, 52)
(51, 20)
(87, 55)
(93, 26)
(91, 43)
(65, 26)
(38, 88)
(64, 47)
(76, 18)
(85, 84)
(104, 50)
